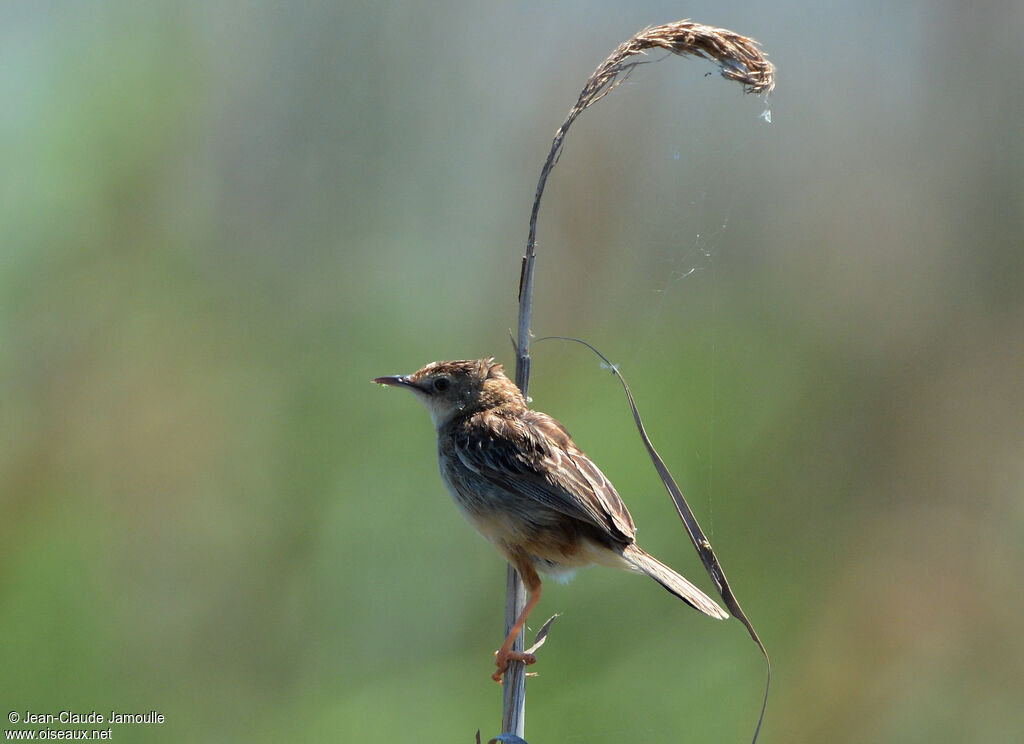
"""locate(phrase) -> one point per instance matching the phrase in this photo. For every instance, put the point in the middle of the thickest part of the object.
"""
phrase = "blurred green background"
(220, 220)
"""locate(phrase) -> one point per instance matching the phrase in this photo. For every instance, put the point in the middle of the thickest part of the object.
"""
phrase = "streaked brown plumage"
(522, 482)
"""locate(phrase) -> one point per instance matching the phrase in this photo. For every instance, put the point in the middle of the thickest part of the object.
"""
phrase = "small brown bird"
(522, 482)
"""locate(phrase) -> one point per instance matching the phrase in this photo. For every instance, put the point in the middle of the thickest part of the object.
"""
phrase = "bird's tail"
(676, 584)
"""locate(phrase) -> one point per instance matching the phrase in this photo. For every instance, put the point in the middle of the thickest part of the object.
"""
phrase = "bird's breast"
(513, 521)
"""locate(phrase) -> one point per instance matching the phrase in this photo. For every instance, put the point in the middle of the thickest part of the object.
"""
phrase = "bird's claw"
(503, 659)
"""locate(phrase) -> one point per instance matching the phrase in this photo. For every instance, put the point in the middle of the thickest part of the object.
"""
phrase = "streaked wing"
(533, 455)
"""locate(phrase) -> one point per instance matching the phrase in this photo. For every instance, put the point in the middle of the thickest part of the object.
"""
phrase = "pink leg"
(505, 653)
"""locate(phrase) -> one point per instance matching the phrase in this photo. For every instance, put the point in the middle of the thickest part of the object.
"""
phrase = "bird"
(518, 477)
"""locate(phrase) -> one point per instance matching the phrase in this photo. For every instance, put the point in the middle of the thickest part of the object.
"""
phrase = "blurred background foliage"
(220, 220)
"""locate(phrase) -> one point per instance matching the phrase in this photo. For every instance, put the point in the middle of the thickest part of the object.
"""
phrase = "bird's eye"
(441, 384)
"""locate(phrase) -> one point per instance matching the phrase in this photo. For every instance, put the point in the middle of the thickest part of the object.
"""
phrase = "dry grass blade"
(700, 540)
(542, 634)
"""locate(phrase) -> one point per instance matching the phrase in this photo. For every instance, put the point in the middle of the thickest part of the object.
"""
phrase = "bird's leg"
(533, 588)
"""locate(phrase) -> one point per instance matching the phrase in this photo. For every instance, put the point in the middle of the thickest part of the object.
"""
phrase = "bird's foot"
(503, 659)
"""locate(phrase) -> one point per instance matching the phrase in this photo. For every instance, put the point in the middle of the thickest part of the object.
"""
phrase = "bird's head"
(460, 388)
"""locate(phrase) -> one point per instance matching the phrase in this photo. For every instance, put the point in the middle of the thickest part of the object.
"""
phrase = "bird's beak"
(395, 381)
